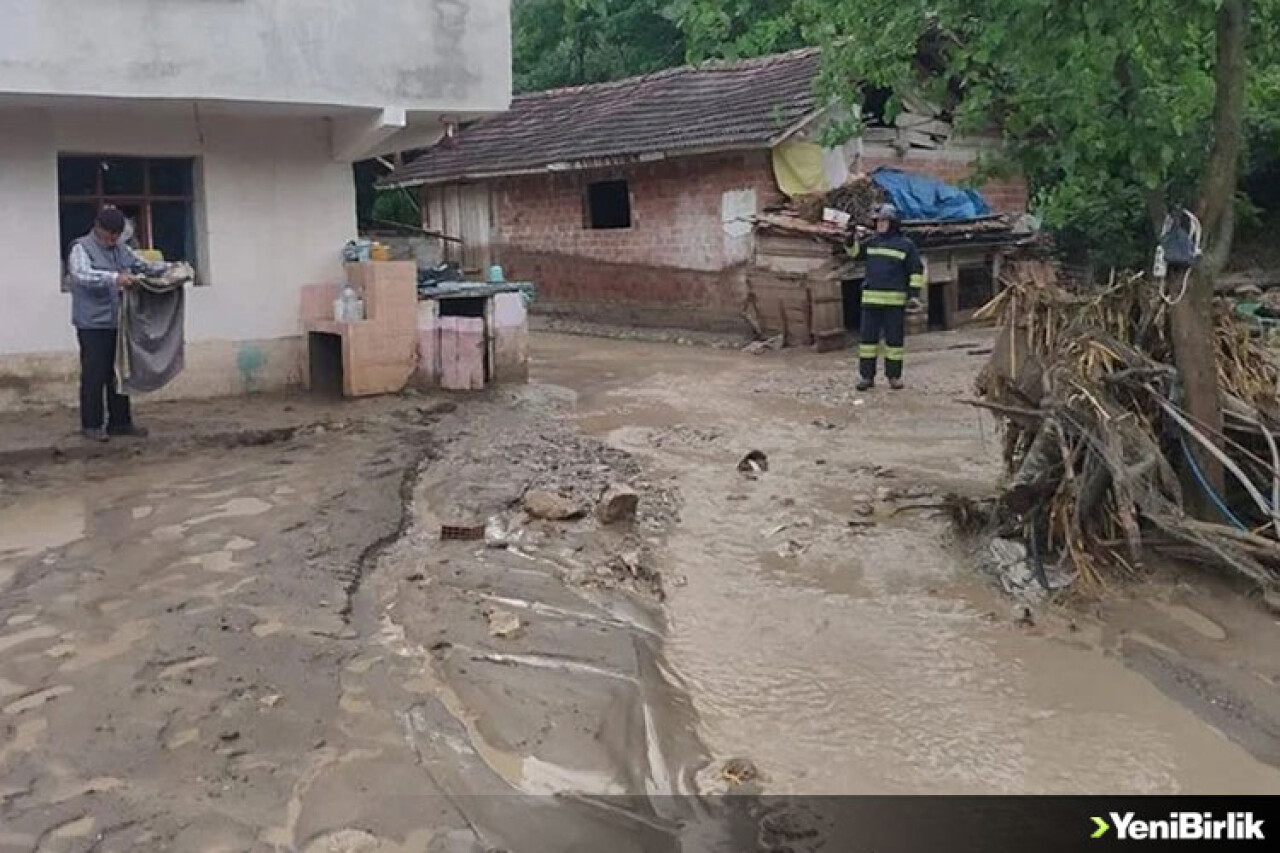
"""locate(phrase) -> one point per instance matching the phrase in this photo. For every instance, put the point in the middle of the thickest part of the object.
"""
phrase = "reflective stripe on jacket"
(893, 270)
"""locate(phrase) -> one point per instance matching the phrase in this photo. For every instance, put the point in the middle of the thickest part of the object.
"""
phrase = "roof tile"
(715, 106)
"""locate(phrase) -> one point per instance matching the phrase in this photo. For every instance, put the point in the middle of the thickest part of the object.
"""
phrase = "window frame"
(100, 198)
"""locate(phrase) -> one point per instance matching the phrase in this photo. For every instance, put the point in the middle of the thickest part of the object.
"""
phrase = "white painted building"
(226, 129)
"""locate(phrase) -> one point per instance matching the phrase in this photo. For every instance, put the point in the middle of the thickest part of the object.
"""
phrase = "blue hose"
(1208, 489)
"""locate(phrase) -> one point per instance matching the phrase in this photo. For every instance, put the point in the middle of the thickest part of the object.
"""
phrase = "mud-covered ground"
(217, 644)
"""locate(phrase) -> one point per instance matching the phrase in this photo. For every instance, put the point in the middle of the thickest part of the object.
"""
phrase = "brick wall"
(674, 266)
(953, 165)
(675, 208)
(631, 294)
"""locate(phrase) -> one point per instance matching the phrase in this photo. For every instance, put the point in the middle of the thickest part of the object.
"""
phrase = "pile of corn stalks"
(1097, 443)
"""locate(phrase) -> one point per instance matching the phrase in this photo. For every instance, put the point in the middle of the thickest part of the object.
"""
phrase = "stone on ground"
(619, 504)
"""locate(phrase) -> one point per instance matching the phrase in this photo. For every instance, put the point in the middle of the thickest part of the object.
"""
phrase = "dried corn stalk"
(1095, 436)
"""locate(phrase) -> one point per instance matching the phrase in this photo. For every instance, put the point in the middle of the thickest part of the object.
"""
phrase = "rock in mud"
(620, 504)
(740, 771)
(755, 462)
(790, 829)
(503, 624)
(549, 506)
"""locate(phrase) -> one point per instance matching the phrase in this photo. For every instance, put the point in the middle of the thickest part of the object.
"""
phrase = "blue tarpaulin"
(923, 197)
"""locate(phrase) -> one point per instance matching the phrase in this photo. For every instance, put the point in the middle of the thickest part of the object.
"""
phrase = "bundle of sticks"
(860, 197)
(1103, 459)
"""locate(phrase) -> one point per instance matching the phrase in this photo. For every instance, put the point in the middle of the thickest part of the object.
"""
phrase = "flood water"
(871, 658)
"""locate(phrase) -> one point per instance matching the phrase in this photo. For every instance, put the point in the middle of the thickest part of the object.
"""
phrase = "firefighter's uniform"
(894, 274)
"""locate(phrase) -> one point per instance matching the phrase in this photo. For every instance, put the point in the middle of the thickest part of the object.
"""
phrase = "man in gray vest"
(99, 267)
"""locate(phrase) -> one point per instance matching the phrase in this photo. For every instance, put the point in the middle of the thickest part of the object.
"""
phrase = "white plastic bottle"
(351, 305)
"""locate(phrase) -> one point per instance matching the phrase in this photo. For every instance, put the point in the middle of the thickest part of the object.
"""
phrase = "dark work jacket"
(894, 270)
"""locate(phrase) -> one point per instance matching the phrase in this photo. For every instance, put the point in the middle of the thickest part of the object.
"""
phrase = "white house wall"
(275, 209)
(419, 55)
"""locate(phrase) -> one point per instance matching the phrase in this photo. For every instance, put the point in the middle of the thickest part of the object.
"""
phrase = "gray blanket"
(150, 347)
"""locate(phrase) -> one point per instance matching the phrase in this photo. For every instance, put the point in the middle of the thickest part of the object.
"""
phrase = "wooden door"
(827, 300)
(462, 353)
(475, 227)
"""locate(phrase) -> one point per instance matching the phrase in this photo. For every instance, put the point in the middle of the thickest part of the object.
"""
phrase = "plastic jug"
(350, 307)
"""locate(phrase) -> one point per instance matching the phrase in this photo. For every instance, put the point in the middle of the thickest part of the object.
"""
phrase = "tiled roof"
(713, 107)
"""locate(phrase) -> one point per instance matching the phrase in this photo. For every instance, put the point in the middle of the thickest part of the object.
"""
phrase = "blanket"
(150, 349)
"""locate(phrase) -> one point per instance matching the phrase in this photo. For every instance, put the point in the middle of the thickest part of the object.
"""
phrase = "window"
(157, 194)
(609, 205)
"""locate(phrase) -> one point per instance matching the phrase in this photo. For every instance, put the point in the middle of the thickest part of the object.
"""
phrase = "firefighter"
(893, 285)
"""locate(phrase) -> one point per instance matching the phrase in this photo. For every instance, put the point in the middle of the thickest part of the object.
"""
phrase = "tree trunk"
(1195, 349)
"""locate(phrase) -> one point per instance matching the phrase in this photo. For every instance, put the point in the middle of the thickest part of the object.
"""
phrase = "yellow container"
(381, 252)
(151, 256)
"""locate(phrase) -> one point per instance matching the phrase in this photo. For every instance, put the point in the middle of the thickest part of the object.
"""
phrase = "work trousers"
(890, 324)
(98, 383)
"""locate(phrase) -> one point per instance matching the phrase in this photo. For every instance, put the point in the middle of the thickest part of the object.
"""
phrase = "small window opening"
(609, 205)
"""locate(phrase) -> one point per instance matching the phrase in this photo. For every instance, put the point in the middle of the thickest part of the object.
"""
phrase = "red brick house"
(633, 201)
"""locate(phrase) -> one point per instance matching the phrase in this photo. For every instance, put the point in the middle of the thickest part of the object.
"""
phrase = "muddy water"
(869, 658)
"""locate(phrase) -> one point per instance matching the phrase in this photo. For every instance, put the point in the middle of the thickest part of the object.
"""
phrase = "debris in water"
(634, 567)
(1087, 389)
(791, 549)
(502, 623)
(761, 347)
(739, 772)
(551, 507)
(754, 462)
(619, 504)
(1011, 564)
(461, 532)
(496, 535)
(774, 531)
(791, 829)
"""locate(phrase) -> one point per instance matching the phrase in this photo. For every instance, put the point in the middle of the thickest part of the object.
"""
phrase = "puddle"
(234, 508)
(36, 525)
(217, 562)
(1193, 619)
(860, 664)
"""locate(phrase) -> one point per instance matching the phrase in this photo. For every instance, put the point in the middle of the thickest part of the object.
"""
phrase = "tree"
(737, 29)
(571, 42)
(1116, 112)
(1194, 347)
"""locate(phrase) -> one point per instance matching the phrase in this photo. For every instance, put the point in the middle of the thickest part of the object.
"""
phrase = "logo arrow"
(1103, 828)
